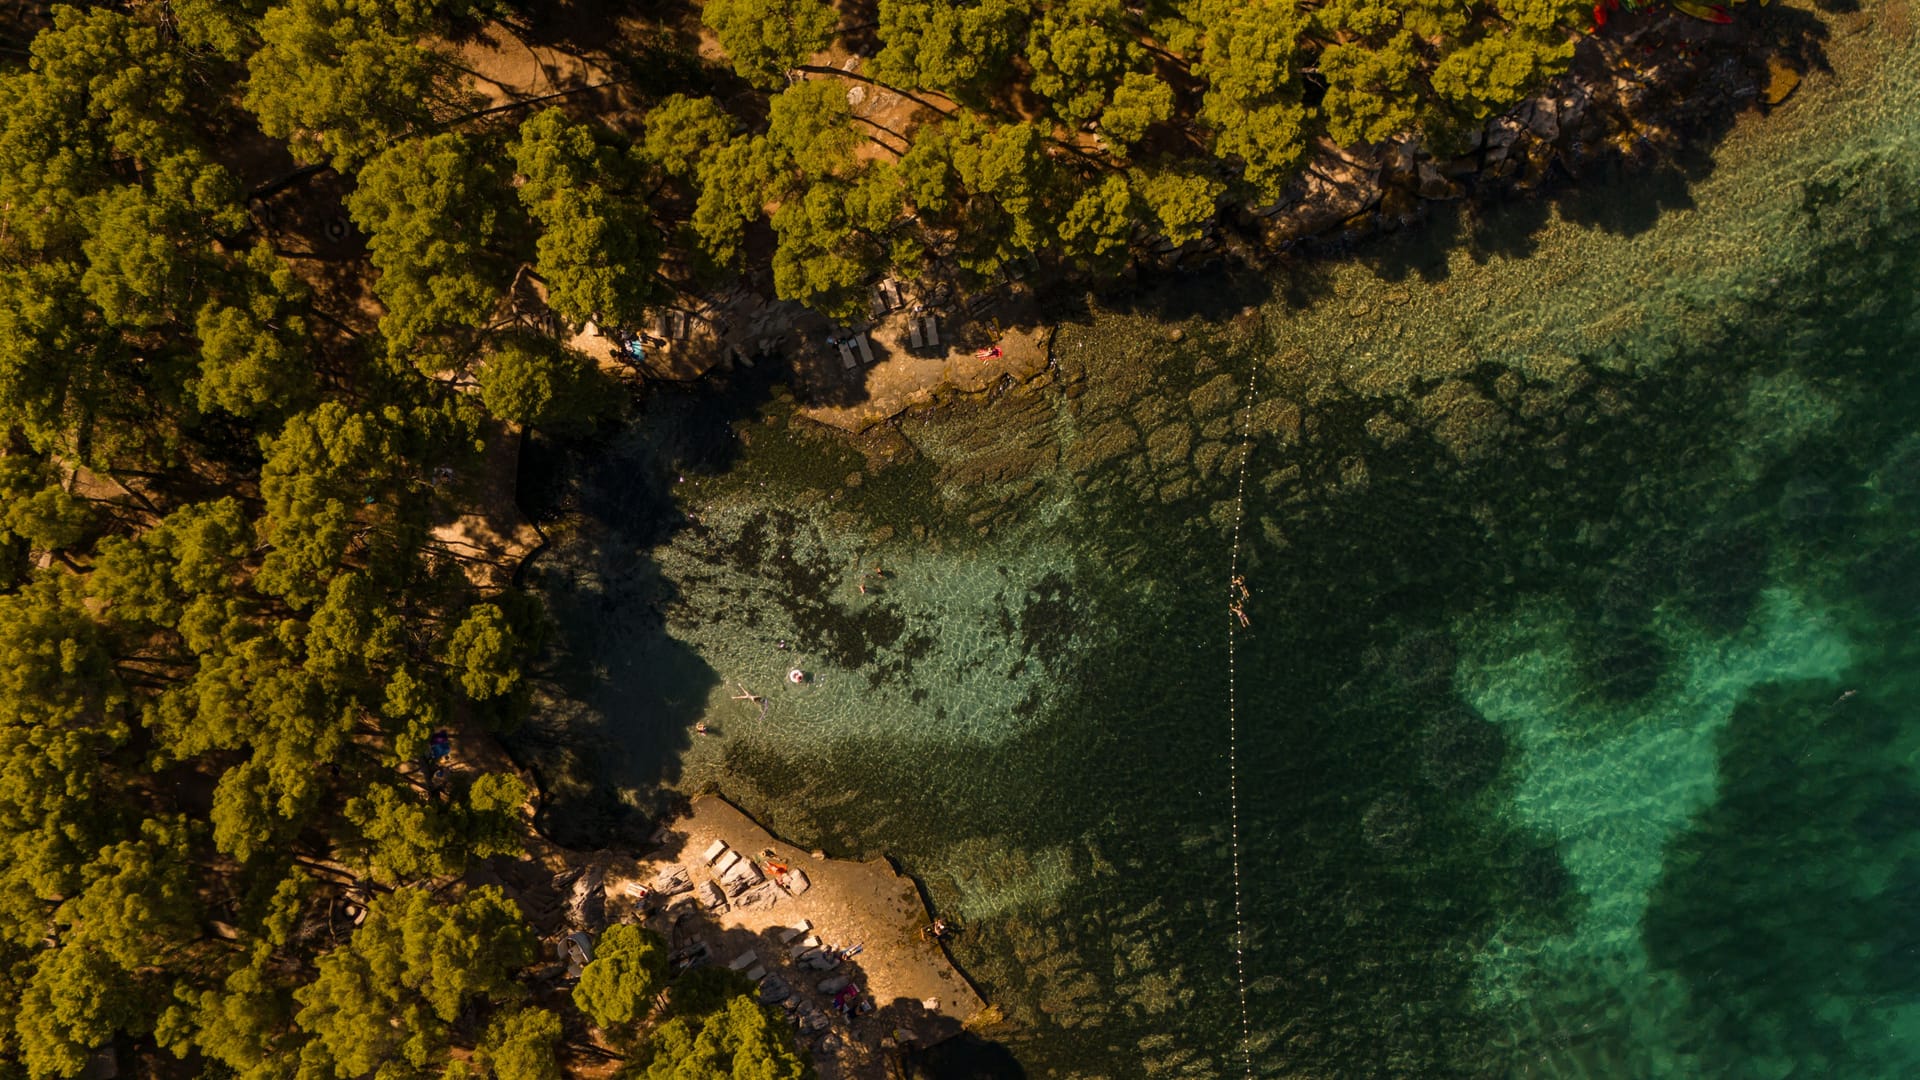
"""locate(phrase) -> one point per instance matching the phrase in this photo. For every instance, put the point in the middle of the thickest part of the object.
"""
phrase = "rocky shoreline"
(1646, 97)
(1642, 94)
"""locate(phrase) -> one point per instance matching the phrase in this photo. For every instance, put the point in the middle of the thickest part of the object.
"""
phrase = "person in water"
(701, 728)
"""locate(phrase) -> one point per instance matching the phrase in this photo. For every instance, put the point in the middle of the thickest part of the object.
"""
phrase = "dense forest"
(228, 628)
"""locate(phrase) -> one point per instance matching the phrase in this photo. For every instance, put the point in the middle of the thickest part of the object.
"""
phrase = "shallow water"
(1579, 716)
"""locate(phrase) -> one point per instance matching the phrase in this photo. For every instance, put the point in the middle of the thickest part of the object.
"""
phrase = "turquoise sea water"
(1580, 708)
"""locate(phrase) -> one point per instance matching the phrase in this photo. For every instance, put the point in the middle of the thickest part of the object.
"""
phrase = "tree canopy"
(255, 258)
(628, 970)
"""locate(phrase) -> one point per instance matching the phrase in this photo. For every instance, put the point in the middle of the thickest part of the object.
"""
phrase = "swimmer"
(701, 728)
(1239, 614)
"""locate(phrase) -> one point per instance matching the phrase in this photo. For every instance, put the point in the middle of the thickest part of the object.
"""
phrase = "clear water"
(1581, 705)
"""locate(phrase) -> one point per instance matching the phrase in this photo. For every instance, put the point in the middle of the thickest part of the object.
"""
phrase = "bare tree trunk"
(820, 69)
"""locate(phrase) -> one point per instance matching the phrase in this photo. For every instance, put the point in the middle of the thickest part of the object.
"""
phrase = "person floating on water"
(701, 728)
(1240, 583)
(1240, 614)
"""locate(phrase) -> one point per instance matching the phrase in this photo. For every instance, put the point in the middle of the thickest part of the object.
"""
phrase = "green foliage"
(387, 1000)
(804, 167)
(767, 38)
(522, 1045)
(253, 355)
(1097, 225)
(224, 28)
(1371, 91)
(243, 1023)
(537, 381)
(486, 653)
(61, 720)
(629, 969)
(682, 133)
(1249, 57)
(35, 508)
(962, 49)
(1140, 102)
(75, 1000)
(150, 250)
(320, 471)
(596, 250)
(101, 84)
(810, 126)
(820, 260)
(1079, 51)
(340, 79)
(741, 1041)
(403, 838)
(138, 904)
(734, 189)
(1491, 73)
(431, 209)
(1181, 200)
(495, 822)
(1007, 184)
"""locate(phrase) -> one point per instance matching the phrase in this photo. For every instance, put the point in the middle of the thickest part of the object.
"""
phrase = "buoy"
(796, 676)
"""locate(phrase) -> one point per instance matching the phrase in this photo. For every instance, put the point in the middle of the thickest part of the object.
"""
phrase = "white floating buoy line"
(1236, 621)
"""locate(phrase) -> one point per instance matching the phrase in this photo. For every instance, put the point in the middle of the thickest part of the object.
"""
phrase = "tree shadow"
(621, 694)
(878, 1033)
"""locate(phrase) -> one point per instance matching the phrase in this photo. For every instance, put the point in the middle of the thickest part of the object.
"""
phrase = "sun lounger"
(877, 305)
(866, 353)
(756, 973)
(933, 332)
(787, 936)
(679, 324)
(714, 851)
(892, 288)
(914, 338)
(660, 326)
(726, 863)
(846, 356)
(744, 961)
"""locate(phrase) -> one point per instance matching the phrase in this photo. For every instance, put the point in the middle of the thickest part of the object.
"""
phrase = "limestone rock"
(1434, 186)
(1463, 420)
(1214, 396)
(1387, 430)
(1103, 444)
(1170, 445)
(1277, 416)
